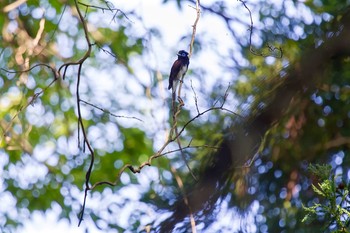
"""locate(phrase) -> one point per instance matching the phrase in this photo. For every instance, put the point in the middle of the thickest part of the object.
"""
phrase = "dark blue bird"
(178, 70)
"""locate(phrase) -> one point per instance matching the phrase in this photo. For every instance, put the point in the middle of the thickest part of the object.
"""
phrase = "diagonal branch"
(108, 112)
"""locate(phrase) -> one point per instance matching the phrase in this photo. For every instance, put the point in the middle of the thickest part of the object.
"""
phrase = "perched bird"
(178, 70)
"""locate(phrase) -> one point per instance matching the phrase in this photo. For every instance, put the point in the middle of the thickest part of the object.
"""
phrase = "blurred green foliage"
(334, 204)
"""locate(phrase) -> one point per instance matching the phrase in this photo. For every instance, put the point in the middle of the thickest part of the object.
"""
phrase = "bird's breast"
(182, 71)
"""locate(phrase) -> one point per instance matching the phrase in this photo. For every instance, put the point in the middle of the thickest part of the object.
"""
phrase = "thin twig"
(271, 48)
(204, 112)
(195, 98)
(109, 8)
(108, 112)
(198, 11)
(138, 169)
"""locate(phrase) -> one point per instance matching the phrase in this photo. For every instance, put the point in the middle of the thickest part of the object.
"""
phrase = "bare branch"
(109, 7)
(198, 10)
(204, 112)
(106, 51)
(271, 48)
(108, 112)
(148, 163)
(195, 98)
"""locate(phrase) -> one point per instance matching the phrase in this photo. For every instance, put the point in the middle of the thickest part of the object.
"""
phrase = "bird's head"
(182, 53)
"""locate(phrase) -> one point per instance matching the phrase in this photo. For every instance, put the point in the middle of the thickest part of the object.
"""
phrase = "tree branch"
(108, 112)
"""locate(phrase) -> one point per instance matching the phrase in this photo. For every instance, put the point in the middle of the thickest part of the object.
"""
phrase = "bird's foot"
(181, 102)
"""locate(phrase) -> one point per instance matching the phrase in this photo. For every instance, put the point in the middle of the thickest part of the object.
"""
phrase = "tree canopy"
(89, 130)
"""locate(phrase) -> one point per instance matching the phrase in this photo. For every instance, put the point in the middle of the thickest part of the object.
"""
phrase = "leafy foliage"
(335, 200)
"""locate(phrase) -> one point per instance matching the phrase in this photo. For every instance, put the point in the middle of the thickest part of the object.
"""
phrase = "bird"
(178, 70)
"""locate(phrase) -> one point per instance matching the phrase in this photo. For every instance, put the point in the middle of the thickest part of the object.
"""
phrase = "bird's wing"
(175, 69)
(173, 72)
